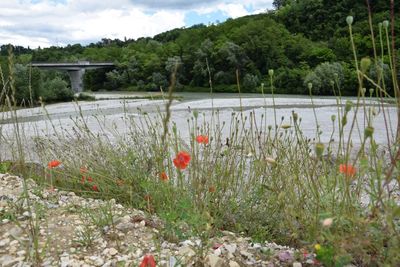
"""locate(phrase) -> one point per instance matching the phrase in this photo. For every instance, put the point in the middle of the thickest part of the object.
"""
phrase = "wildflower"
(211, 189)
(90, 179)
(148, 261)
(53, 164)
(317, 247)
(327, 222)
(347, 169)
(164, 177)
(181, 161)
(202, 139)
(95, 188)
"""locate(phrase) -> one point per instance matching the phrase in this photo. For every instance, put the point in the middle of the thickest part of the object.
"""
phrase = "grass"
(270, 182)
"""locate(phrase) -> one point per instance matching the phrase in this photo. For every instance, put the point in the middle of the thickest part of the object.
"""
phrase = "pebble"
(4, 242)
(214, 261)
(233, 264)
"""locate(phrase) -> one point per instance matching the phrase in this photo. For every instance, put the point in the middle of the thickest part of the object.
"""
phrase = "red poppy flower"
(95, 188)
(148, 261)
(202, 139)
(164, 177)
(347, 169)
(90, 179)
(181, 161)
(53, 164)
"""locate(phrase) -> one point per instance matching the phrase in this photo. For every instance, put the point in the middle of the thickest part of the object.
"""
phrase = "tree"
(325, 77)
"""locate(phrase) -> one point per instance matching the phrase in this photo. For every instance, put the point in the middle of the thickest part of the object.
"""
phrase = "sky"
(47, 23)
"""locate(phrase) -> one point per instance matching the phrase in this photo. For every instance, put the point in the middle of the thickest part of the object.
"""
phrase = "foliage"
(325, 78)
(56, 89)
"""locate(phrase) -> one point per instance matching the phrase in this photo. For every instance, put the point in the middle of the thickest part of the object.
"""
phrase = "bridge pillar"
(76, 77)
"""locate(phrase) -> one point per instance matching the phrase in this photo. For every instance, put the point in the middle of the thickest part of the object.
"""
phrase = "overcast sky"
(60, 22)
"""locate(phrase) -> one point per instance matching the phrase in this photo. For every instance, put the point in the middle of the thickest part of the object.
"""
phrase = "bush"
(250, 82)
(56, 90)
(325, 77)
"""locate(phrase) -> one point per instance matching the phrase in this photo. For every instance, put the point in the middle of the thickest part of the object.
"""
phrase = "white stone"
(231, 248)
(297, 264)
(186, 251)
(214, 261)
(233, 264)
(112, 251)
(4, 242)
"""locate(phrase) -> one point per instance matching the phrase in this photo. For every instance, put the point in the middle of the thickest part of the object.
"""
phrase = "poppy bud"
(319, 149)
(195, 114)
(349, 105)
(349, 20)
(309, 85)
(333, 118)
(271, 72)
(344, 120)
(371, 91)
(295, 116)
(385, 23)
(369, 131)
(365, 64)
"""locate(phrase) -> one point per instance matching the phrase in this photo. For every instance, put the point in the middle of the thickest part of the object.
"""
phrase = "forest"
(303, 41)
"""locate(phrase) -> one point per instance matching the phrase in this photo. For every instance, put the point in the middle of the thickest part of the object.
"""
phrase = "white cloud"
(233, 10)
(45, 23)
(52, 22)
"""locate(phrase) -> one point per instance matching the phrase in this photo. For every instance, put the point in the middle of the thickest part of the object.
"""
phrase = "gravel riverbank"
(59, 228)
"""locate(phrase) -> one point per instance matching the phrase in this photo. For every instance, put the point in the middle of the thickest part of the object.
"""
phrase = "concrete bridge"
(75, 70)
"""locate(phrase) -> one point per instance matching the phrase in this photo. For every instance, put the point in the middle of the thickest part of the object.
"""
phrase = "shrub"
(324, 77)
(250, 82)
(56, 90)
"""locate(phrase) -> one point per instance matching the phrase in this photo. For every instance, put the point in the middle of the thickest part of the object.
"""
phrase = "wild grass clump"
(271, 182)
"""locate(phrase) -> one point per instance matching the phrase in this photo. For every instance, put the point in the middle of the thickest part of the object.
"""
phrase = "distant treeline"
(302, 40)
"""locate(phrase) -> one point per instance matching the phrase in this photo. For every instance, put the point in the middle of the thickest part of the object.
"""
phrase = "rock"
(285, 256)
(172, 261)
(4, 242)
(8, 261)
(125, 226)
(112, 252)
(187, 252)
(214, 261)
(21, 253)
(233, 264)
(217, 252)
(231, 248)
(97, 261)
(297, 264)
